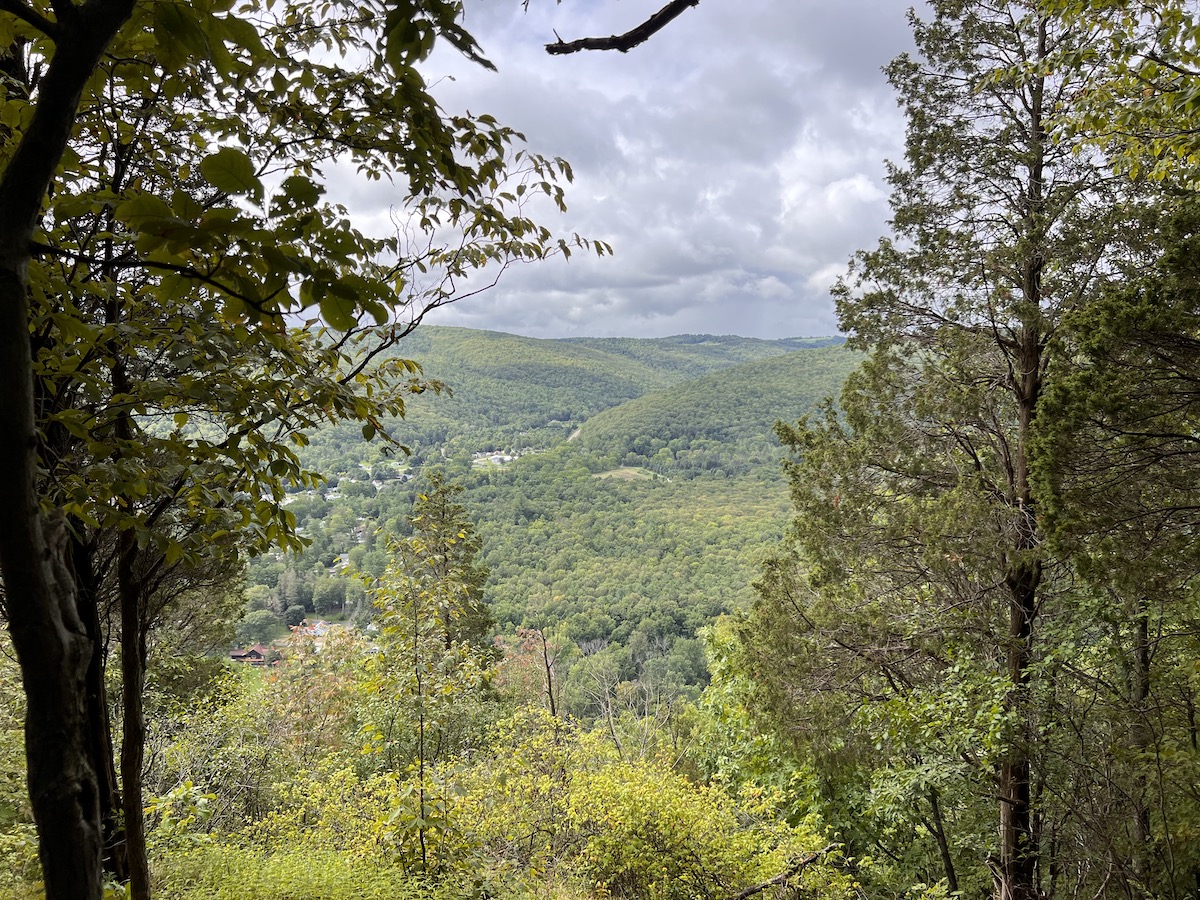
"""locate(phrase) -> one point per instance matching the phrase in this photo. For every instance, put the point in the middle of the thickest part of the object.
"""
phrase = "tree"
(430, 673)
(329, 595)
(1116, 471)
(1140, 103)
(257, 627)
(919, 550)
(447, 550)
(228, 251)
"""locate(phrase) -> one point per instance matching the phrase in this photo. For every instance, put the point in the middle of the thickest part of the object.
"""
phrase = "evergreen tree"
(444, 549)
(430, 674)
(1117, 473)
(927, 611)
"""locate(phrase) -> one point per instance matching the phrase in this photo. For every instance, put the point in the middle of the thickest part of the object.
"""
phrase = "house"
(317, 628)
(258, 655)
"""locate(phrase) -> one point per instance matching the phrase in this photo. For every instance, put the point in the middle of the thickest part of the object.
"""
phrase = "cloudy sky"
(734, 161)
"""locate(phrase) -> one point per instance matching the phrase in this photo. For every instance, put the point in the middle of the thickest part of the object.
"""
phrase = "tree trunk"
(133, 743)
(50, 639)
(1018, 849)
(1143, 740)
(549, 667)
(100, 728)
(1018, 842)
(943, 842)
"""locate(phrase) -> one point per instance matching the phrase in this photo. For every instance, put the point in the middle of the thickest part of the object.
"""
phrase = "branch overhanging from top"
(630, 39)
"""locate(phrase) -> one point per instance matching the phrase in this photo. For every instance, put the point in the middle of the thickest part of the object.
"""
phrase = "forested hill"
(646, 362)
(506, 389)
(692, 355)
(721, 420)
(510, 392)
(630, 536)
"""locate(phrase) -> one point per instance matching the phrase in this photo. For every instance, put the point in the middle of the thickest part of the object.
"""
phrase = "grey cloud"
(735, 161)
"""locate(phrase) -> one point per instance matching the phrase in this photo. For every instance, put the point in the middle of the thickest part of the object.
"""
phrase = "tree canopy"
(923, 606)
(1140, 102)
(163, 217)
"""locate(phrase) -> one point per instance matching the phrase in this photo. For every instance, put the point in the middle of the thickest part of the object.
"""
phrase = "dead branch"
(784, 877)
(630, 39)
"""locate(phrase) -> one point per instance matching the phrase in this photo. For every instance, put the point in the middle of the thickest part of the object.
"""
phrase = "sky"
(735, 161)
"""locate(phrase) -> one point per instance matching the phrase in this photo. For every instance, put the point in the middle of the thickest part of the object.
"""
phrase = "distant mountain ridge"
(506, 389)
(697, 354)
(745, 394)
(647, 362)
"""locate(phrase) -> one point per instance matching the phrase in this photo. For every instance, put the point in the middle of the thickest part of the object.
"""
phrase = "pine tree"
(444, 548)
(1116, 471)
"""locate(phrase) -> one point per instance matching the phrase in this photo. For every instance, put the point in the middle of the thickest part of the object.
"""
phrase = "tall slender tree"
(919, 546)
(430, 673)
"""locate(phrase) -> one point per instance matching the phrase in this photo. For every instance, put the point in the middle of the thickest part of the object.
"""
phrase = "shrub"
(225, 872)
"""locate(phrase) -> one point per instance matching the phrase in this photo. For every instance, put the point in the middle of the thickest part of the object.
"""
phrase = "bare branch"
(630, 39)
(784, 877)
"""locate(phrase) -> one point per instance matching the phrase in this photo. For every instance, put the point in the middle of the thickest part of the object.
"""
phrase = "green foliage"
(18, 840)
(649, 834)
(197, 261)
(1115, 465)
(260, 728)
(258, 626)
(432, 620)
(179, 819)
(553, 802)
(1142, 102)
(228, 871)
(505, 391)
(442, 550)
(1116, 456)
(564, 547)
(721, 421)
(399, 818)
(537, 807)
(152, 329)
(427, 680)
(568, 549)
(917, 640)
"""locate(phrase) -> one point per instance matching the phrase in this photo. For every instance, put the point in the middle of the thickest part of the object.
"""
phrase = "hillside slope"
(512, 392)
(629, 538)
(722, 420)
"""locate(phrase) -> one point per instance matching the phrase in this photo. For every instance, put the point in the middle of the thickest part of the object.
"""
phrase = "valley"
(625, 491)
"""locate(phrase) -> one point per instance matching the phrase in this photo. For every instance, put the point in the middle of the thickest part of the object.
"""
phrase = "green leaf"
(301, 191)
(178, 34)
(338, 313)
(244, 34)
(140, 209)
(230, 170)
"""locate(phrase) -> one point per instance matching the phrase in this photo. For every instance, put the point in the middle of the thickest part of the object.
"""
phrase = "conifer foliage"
(924, 605)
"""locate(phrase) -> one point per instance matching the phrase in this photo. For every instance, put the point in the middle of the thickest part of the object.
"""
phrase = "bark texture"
(50, 638)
